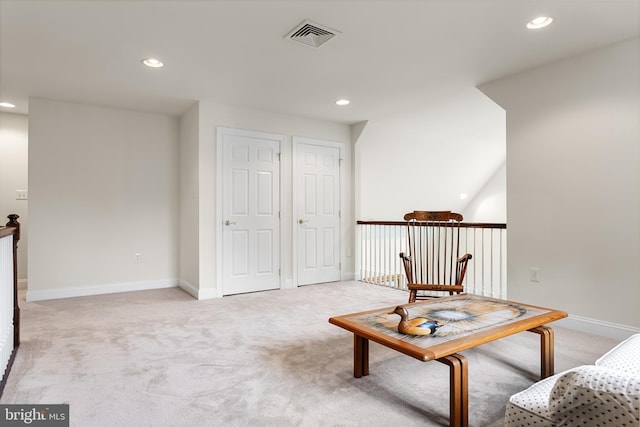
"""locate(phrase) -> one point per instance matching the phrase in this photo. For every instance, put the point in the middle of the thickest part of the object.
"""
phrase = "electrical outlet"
(138, 258)
(534, 274)
(22, 194)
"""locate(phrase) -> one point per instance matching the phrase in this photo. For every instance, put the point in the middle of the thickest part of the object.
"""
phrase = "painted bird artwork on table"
(415, 326)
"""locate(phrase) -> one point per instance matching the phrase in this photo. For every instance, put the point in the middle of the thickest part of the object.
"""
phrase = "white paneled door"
(317, 198)
(251, 212)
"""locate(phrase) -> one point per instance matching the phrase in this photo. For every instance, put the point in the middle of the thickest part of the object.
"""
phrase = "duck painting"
(415, 326)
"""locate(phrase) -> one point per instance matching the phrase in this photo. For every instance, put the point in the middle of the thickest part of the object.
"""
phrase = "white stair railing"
(380, 243)
(9, 310)
(6, 301)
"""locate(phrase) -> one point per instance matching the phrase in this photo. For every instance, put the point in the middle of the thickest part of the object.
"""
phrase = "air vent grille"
(311, 34)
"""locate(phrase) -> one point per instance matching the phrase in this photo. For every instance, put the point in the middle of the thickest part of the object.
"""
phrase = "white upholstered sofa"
(604, 394)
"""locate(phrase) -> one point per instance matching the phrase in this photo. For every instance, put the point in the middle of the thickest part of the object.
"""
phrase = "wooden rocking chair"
(433, 262)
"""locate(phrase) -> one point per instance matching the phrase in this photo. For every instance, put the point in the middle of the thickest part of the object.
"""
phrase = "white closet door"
(251, 204)
(317, 187)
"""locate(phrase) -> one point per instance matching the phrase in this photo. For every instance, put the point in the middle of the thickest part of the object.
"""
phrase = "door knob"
(302, 221)
(227, 222)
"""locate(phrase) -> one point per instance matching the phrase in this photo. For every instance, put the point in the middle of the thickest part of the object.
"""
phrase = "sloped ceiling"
(389, 55)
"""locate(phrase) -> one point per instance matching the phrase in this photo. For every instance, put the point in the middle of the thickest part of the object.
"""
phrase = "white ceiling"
(390, 55)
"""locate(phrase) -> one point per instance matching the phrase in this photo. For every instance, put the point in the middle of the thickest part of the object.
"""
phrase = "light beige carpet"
(161, 358)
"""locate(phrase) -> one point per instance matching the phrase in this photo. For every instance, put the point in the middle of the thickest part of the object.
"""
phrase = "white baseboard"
(288, 284)
(597, 327)
(197, 293)
(348, 276)
(207, 294)
(48, 294)
(188, 288)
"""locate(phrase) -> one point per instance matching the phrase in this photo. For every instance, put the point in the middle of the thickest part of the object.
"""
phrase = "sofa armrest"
(625, 357)
(595, 395)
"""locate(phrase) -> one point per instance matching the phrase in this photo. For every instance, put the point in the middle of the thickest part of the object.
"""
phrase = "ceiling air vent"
(311, 34)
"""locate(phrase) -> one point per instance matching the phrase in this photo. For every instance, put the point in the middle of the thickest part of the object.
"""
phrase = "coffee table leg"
(360, 356)
(546, 350)
(459, 389)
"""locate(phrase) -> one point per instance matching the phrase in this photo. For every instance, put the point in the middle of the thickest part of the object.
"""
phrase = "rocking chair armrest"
(405, 257)
(461, 268)
(465, 258)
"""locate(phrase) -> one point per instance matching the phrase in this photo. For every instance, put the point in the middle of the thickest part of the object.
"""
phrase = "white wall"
(103, 187)
(424, 158)
(573, 193)
(14, 141)
(189, 177)
(210, 117)
(490, 202)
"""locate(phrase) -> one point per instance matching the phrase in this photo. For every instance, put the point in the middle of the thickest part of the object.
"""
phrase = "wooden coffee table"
(467, 321)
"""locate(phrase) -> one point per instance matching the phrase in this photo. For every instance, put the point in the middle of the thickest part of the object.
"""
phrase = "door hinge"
(279, 154)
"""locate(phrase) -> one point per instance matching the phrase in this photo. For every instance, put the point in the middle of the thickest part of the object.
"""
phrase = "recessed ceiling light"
(7, 105)
(152, 62)
(539, 22)
(343, 102)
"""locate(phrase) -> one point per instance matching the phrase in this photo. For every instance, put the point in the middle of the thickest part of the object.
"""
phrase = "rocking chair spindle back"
(433, 263)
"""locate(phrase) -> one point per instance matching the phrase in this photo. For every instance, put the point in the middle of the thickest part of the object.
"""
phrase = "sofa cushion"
(595, 396)
(625, 357)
